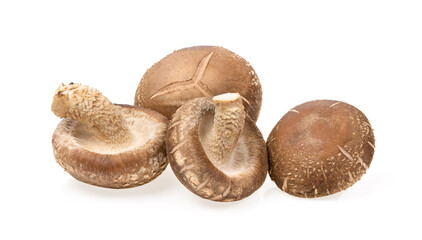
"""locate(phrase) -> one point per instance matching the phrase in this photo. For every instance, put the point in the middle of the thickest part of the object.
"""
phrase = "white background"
(366, 53)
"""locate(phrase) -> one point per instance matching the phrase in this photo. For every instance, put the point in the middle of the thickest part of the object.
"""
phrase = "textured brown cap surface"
(194, 72)
(118, 169)
(320, 148)
(196, 171)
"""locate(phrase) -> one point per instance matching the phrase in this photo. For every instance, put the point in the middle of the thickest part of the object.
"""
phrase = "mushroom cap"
(202, 71)
(230, 181)
(90, 160)
(320, 148)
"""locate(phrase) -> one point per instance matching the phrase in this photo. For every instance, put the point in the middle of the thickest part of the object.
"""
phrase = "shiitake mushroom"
(319, 148)
(214, 150)
(194, 72)
(106, 144)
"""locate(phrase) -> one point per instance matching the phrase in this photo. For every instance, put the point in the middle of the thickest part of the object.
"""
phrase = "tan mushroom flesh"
(319, 148)
(202, 71)
(215, 151)
(107, 145)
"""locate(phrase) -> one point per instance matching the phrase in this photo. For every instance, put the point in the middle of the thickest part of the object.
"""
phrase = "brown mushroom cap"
(202, 71)
(320, 148)
(205, 171)
(84, 154)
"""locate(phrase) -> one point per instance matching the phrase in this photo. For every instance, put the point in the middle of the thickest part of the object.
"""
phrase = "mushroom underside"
(89, 159)
(235, 176)
(142, 128)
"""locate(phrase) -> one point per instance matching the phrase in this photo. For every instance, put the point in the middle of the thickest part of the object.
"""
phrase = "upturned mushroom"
(202, 71)
(215, 151)
(105, 144)
(319, 148)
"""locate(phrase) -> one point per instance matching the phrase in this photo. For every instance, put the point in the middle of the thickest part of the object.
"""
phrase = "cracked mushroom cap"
(194, 72)
(319, 148)
(215, 151)
(107, 145)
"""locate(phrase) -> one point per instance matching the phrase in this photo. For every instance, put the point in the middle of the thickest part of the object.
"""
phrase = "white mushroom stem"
(229, 119)
(90, 107)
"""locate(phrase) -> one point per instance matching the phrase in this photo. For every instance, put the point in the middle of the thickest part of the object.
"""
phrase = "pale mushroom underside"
(142, 128)
(191, 149)
(90, 159)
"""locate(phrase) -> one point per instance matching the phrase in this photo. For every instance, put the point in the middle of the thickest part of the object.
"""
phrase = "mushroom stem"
(229, 119)
(91, 108)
